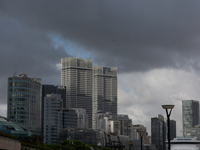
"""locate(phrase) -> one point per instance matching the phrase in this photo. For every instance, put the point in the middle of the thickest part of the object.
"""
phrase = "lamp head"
(142, 132)
(167, 106)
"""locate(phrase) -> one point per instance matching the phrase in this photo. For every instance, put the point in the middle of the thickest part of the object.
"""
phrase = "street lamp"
(141, 135)
(166, 107)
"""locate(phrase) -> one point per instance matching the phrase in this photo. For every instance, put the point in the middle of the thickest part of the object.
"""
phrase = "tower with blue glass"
(24, 102)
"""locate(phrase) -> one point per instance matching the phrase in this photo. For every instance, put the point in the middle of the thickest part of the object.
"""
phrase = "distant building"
(158, 132)
(49, 89)
(195, 132)
(76, 75)
(104, 95)
(56, 118)
(90, 136)
(172, 129)
(108, 123)
(75, 118)
(53, 118)
(24, 102)
(190, 115)
(114, 124)
(136, 135)
(126, 125)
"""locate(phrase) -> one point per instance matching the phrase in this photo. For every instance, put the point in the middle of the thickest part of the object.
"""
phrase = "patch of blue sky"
(71, 48)
(127, 90)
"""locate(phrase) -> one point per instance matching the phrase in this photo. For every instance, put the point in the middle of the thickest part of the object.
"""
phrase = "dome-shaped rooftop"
(13, 128)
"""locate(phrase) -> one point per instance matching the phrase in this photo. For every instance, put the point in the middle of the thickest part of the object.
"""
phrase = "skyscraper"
(190, 115)
(172, 129)
(158, 132)
(24, 102)
(76, 75)
(104, 95)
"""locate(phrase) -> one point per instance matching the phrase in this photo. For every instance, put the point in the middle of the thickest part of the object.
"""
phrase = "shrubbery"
(4, 134)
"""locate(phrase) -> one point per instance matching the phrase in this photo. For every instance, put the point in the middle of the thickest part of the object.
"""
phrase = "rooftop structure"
(13, 128)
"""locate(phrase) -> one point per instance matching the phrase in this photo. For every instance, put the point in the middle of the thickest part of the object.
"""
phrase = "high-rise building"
(53, 118)
(104, 96)
(158, 132)
(49, 89)
(172, 124)
(76, 75)
(24, 102)
(190, 115)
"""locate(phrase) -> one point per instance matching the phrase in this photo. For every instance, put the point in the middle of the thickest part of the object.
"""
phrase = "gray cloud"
(142, 94)
(133, 35)
(26, 50)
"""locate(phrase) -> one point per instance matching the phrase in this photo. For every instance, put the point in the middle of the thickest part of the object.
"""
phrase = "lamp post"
(141, 135)
(170, 107)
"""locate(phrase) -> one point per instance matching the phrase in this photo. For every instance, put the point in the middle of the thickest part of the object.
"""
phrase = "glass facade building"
(24, 102)
(104, 94)
(190, 115)
(13, 128)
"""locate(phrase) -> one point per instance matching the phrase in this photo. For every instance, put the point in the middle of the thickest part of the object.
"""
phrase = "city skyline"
(155, 46)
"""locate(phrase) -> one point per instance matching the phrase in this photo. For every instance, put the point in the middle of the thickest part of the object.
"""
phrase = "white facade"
(114, 124)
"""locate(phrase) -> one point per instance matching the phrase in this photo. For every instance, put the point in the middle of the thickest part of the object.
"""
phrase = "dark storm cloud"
(133, 35)
(25, 50)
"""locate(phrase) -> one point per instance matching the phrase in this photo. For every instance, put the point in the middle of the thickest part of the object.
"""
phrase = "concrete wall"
(9, 144)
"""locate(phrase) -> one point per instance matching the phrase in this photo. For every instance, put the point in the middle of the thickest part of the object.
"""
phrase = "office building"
(108, 123)
(158, 132)
(136, 135)
(126, 125)
(172, 124)
(190, 115)
(56, 118)
(76, 75)
(53, 118)
(24, 102)
(75, 118)
(104, 94)
(49, 89)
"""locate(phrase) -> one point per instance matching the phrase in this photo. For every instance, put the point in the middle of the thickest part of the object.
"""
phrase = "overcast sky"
(155, 45)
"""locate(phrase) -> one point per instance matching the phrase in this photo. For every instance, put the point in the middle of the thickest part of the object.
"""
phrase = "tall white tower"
(104, 94)
(76, 75)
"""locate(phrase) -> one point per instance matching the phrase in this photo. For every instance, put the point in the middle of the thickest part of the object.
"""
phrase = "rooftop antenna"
(15, 73)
